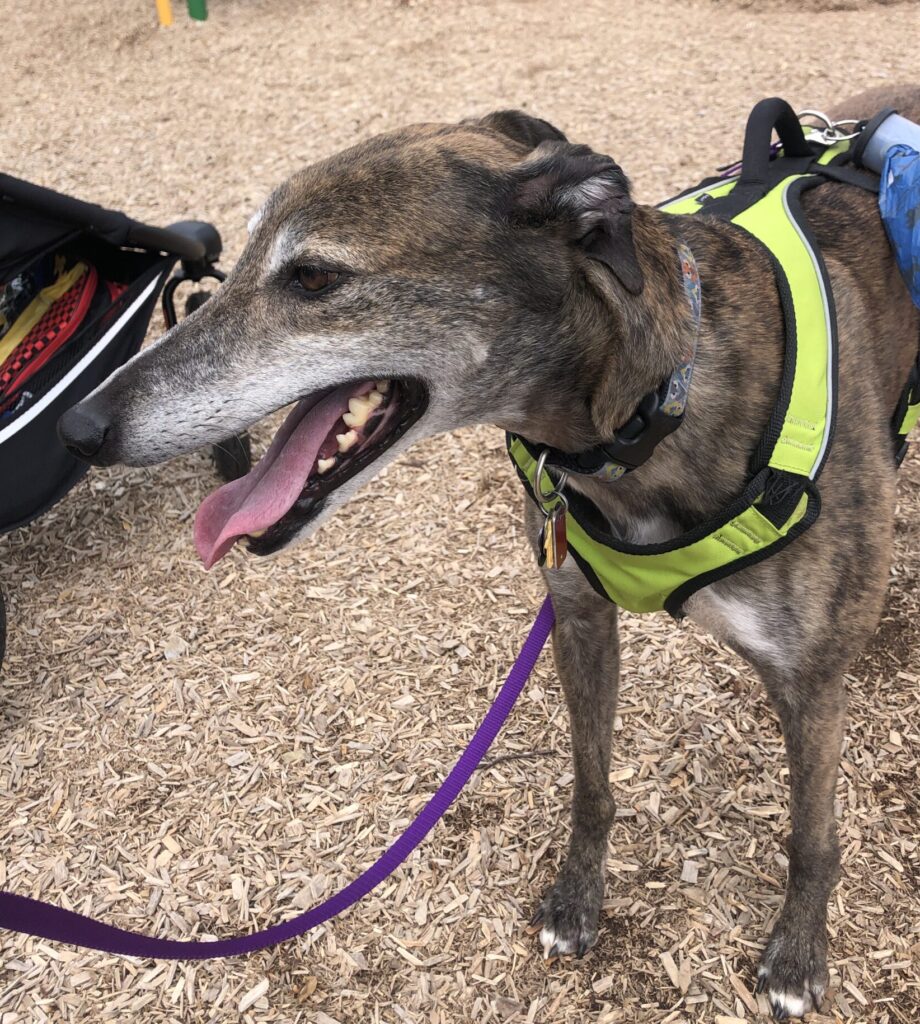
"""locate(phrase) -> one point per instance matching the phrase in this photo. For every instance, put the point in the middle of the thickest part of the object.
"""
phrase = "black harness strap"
(849, 175)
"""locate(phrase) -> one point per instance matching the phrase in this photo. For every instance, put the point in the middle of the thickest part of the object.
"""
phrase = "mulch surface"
(191, 754)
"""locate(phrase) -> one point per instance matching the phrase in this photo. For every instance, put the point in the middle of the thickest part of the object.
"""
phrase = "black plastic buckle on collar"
(631, 446)
(635, 441)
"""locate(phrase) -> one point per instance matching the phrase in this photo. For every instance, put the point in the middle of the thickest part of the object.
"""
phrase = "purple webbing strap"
(43, 920)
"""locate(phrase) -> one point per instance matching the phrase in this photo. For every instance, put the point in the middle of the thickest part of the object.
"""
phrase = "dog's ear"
(587, 196)
(521, 127)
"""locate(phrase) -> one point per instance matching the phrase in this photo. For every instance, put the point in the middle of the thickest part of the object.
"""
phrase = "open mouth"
(326, 439)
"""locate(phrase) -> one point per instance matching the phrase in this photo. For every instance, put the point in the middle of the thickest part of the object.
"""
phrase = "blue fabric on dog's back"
(899, 202)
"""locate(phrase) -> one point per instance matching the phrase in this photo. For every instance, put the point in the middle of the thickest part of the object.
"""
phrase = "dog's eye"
(316, 279)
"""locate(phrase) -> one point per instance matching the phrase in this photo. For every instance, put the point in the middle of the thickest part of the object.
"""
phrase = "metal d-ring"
(545, 497)
(831, 133)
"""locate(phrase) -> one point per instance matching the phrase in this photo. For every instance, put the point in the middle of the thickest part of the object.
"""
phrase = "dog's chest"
(730, 613)
(738, 617)
(733, 612)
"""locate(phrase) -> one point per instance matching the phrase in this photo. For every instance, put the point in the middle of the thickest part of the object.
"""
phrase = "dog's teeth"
(359, 410)
(383, 386)
(324, 465)
(376, 399)
(256, 533)
(347, 441)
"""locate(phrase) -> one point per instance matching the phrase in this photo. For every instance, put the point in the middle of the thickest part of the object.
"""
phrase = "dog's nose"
(83, 430)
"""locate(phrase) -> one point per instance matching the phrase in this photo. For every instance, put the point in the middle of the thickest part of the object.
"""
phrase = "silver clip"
(545, 497)
(832, 132)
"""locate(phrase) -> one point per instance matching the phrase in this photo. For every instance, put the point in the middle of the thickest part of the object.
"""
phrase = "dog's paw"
(793, 973)
(569, 913)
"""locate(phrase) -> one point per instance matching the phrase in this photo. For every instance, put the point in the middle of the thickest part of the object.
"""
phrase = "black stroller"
(78, 285)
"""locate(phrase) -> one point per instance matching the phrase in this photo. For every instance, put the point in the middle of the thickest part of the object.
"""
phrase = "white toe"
(792, 1005)
(548, 939)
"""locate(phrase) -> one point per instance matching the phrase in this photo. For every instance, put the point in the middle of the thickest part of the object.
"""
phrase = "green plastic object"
(198, 9)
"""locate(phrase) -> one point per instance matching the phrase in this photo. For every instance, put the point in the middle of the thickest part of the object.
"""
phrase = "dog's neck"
(627, 348)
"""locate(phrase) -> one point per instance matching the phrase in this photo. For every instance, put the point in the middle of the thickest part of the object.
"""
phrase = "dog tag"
(554, 541)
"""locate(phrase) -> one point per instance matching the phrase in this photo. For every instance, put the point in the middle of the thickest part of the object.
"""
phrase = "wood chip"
(253, 995)
(690, 872)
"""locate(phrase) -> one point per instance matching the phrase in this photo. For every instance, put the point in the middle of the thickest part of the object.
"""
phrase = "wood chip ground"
(197, 754)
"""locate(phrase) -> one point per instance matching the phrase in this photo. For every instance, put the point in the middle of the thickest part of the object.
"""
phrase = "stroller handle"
(112, 225)
(185, 247)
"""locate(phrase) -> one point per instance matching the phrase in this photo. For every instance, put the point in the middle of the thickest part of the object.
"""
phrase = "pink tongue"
(268, 491)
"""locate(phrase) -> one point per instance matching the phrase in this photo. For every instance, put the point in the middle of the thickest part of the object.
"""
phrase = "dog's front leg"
(793, 970)
(587, 660)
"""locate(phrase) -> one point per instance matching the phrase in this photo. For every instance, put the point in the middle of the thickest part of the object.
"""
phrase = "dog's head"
(426, 279)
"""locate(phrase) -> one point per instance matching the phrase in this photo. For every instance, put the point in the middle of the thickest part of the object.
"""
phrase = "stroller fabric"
(47, 323)
(51, 320)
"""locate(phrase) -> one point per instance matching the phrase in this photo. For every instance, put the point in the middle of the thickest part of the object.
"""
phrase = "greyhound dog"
(492, 272)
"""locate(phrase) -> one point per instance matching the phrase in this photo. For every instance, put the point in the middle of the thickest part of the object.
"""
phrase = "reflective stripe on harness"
(806, 427)
(776, 220)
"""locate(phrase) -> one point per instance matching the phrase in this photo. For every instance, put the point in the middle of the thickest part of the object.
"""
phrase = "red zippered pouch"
(48, 336)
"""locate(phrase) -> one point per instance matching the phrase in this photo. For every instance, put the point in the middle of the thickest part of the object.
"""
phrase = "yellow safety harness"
(781, 499)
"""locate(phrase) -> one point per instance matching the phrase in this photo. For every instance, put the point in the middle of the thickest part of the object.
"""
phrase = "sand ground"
(183, 752)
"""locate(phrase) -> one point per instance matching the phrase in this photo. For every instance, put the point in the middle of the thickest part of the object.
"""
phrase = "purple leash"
(43, 920)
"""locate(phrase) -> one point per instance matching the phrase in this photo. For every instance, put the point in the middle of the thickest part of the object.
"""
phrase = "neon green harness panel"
(807, 423)
(910, 419)
(642, 581)
(806, 428)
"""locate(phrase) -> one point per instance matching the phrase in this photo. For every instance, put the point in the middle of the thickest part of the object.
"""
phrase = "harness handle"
(767, 115)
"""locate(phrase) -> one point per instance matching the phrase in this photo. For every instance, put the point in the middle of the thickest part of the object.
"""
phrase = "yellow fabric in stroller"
(37, 308)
